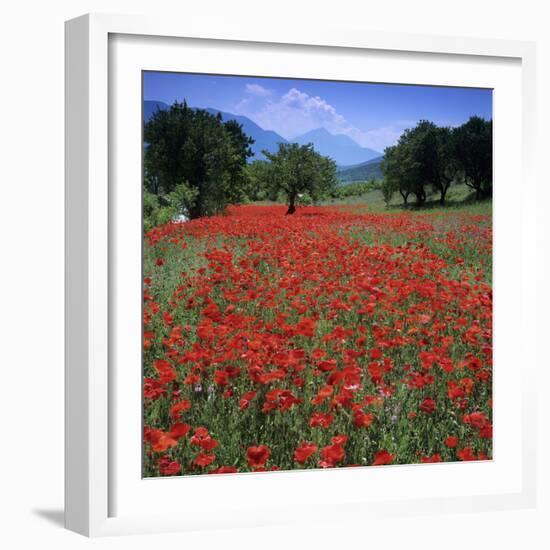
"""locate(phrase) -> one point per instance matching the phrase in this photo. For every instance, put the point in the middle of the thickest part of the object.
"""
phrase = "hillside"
(361, 172)
(263, 139)
(341, 148)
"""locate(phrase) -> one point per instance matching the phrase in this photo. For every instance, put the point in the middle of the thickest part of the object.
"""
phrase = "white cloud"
(294, 113)
(380, 138)
(297, 112)
(312, 106)
(257, 90)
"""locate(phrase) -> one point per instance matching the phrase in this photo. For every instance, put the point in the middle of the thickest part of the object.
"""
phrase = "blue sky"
(374, 115)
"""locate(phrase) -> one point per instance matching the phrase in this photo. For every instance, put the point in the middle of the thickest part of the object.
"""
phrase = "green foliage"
(446, 163)
(182, 199)
(355, 189)
(474, 150)
(387, 191)
(305, 199)
(257, 176)
(160, 209)
(439, 156)
(402, 171)
(297, 170)
(156, 211)
(195, 147)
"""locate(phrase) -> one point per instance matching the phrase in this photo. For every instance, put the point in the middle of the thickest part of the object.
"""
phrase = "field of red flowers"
(330, 338)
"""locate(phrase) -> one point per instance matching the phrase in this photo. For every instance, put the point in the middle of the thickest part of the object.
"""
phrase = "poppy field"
(334, 337)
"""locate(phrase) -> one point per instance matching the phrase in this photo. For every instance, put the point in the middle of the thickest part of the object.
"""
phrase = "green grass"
(459, 198)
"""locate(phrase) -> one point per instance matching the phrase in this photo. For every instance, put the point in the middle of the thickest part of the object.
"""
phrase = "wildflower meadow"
(335, 337)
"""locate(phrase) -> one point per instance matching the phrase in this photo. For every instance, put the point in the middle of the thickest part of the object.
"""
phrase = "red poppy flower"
(332, 454)
(153, 389)
(163, 443)
(178, 408)
(431, 459)
(169, 468)
(317, 353)
(179, 429)
(476, 419)
(320, 419)
(304, 451)
(203, 459)
(224, 470)
(245, 399)
(257, 456)
(202, 438)
(362, 419)
(339, 439)
(466, 454)
(165, 371)
(221, 378)
(382, 458)
(486, 432)
(451, 441)
(428, 405)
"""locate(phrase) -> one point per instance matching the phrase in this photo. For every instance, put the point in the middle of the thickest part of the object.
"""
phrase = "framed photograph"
(297, 275)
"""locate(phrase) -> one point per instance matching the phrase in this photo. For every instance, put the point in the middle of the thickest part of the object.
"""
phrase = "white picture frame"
(99, 49)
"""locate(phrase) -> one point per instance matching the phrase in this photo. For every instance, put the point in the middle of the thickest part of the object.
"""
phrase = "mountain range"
(263, 139)
(151, 107)
(341, 148)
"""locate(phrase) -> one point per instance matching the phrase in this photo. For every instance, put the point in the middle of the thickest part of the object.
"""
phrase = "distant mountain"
(342, 149)
(361, 172)
(151, 107)
(263, 139)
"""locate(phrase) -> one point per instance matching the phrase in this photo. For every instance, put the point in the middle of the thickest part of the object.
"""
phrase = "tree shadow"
(433, 202)
(54, 516)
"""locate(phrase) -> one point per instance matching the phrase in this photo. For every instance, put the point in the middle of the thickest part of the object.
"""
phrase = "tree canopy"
(403, 168)
(298, 170)
(429, 155)
(474, 151)
(198, 156)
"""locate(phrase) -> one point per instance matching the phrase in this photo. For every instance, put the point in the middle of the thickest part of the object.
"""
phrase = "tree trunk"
(291, 205)
(156, 186)
(443, 192)
(195, 211)
(420, 198)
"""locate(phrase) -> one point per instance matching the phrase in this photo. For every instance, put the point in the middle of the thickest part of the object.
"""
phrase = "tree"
(299, 170)
(434, 149)
(238, 177)
(438, 156)
(447, 164)
(195, 149)
(402, 171)
(257, 186)
(423, 157)
(474, 147)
